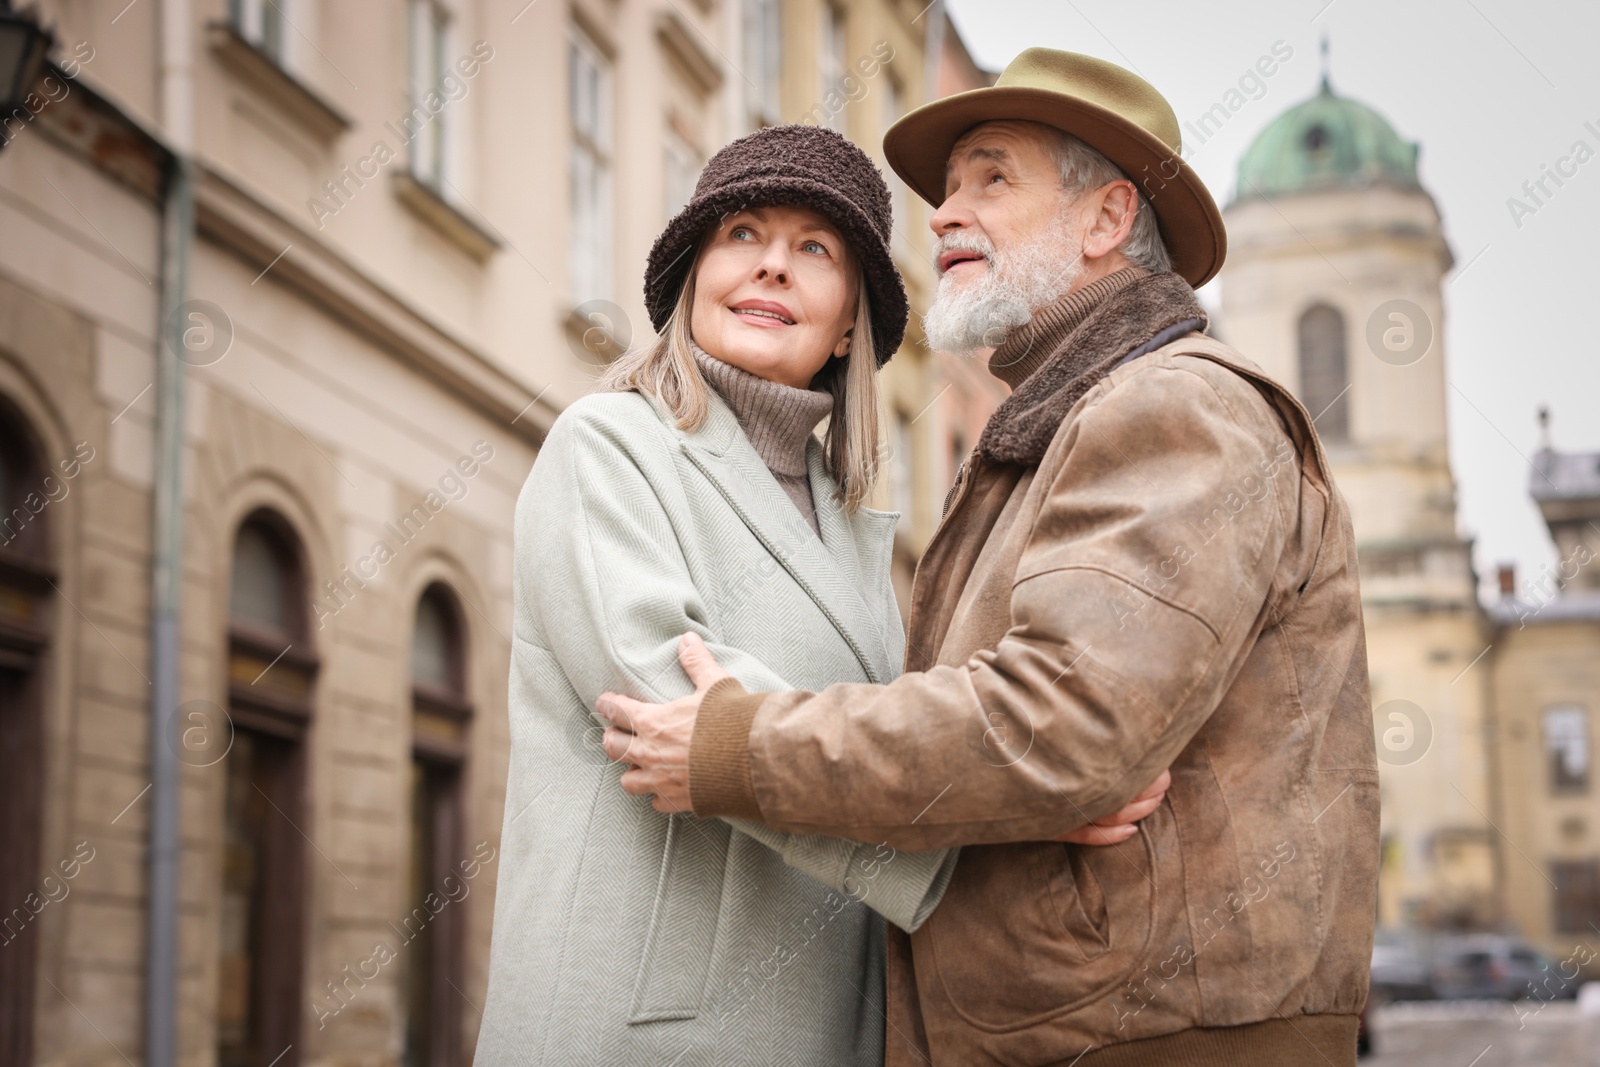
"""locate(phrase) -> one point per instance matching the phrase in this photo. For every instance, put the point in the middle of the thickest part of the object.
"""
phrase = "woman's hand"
(653, 739)
(1118, 827)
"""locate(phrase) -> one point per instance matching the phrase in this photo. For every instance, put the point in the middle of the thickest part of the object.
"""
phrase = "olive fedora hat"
(1115, 112)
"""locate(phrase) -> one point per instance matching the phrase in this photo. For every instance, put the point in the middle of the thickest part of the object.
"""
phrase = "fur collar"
(1156, 308)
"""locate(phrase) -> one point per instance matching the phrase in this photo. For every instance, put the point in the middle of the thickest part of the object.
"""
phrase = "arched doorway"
(271, 667)
(440, 718)
(26, 586)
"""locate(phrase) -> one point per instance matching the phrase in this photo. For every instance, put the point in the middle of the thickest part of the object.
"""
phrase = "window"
(589, 73)
(432, 145)
(1324, 378)
(683, 165)
(902, 472)
(1566, 748)
(763, 51)
(1577, 896)
(440, 715)
(25, 625)
(832, 62)
(262, 23)
(899, 200)
(270, 672)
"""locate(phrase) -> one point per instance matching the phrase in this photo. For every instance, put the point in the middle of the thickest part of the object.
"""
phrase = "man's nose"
(954, 214)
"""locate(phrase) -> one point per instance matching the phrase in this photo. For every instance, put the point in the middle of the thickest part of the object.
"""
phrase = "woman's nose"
(774, 266)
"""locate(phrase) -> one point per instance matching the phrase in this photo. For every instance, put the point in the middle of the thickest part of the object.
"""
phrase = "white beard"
(981, 312)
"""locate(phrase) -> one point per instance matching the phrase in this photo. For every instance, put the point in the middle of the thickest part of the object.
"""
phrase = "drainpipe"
(166, 529)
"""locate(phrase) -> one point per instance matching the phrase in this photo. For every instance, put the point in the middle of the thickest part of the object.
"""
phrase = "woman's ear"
(842, 349)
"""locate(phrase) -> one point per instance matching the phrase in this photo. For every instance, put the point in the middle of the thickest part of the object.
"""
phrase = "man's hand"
(654, 738)
(1118, 827)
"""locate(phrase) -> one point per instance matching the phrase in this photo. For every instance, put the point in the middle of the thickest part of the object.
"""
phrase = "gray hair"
(1082, 169)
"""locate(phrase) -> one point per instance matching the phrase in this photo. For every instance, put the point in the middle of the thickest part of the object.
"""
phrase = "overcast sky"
(1493, 90)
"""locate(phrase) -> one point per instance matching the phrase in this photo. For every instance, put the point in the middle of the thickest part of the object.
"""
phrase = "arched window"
(27, 493)
(271, 667)
(1566, 748)
(1324, 373)
(440, 717)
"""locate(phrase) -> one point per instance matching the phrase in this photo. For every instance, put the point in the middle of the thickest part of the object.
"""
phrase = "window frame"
(271, 692)
(265, 25)
(437, 784)
(763, 55)
(591, 125)
(1557, 781)
(1331, 413)
(432, 155)
(1576, 890)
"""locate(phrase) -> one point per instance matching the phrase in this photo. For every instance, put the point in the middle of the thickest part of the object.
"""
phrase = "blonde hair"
(666, 370)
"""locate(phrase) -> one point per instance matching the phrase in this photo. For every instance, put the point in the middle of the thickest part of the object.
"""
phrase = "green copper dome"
(1327, 142)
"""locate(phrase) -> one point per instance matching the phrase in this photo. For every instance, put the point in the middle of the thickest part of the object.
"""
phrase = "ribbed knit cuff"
(720, 782)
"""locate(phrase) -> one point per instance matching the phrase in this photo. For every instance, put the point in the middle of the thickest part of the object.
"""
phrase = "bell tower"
(1334, 284)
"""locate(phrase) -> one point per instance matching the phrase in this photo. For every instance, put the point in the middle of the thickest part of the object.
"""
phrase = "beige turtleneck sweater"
(1026, 350)
(778, 420)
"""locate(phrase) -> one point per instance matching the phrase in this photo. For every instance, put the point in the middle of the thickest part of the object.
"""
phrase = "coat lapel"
(831, 573)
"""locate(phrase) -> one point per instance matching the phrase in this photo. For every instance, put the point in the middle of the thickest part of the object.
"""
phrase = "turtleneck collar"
(777, 418)
(1026, 350)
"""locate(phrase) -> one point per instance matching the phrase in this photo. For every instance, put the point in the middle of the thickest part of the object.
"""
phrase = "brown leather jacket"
(1171, 582)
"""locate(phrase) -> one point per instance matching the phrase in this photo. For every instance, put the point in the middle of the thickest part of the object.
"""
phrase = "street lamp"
(23, 45)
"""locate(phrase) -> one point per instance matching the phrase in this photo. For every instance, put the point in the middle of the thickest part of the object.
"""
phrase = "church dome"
(1327, 142)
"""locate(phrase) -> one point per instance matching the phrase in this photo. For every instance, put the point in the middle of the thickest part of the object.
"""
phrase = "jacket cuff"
(720, 782)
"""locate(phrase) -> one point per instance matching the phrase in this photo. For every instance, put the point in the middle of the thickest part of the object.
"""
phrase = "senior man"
(1144, 563)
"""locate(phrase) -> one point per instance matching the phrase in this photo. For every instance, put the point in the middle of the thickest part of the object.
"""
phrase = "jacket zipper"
(953, 497)
(960, 471)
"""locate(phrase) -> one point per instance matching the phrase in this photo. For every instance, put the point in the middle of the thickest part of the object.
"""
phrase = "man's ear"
(1113, 208)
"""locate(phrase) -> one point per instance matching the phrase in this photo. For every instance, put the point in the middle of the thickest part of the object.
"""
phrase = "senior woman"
(690, 495)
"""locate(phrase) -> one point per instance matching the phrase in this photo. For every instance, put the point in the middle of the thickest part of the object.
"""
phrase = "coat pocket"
(1030, 931)
(684, 919)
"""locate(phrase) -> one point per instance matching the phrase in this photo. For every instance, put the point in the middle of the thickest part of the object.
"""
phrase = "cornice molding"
(230, 216)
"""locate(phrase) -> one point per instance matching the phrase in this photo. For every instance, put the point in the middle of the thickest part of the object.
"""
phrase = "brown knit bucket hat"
(799, 166)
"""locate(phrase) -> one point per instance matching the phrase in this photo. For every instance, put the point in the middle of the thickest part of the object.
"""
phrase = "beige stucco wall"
(370, 351)
(1542, 664)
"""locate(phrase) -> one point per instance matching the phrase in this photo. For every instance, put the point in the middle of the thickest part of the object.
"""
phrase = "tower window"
(1324, 372)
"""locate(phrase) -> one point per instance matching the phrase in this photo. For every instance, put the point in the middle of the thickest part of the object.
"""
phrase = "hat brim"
(674, 250)
(918, 148)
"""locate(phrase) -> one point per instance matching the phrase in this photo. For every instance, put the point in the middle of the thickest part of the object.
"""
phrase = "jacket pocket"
(684, 920)
(1030, 931)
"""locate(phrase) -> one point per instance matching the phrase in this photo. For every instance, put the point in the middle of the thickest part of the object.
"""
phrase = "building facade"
(1546, 678)
(418, 232)
(1335, 284)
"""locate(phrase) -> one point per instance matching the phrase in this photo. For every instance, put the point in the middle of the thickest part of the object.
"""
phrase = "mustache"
(962, 241)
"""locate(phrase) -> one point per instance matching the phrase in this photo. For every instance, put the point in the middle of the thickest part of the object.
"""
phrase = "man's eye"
(996, 177)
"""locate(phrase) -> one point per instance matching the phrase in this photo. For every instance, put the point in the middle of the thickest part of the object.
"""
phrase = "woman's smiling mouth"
(764, 313)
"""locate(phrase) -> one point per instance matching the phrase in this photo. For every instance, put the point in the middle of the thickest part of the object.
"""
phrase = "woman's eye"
(741, 233)
(816, 248)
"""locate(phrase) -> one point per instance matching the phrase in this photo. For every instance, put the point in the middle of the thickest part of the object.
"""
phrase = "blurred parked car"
(1402, 968)
(1498, 968)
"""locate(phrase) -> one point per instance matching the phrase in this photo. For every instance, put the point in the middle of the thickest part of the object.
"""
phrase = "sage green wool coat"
(623, 936)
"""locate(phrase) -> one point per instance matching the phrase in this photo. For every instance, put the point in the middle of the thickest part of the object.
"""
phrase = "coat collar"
(829, 569)
(1154, 310)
